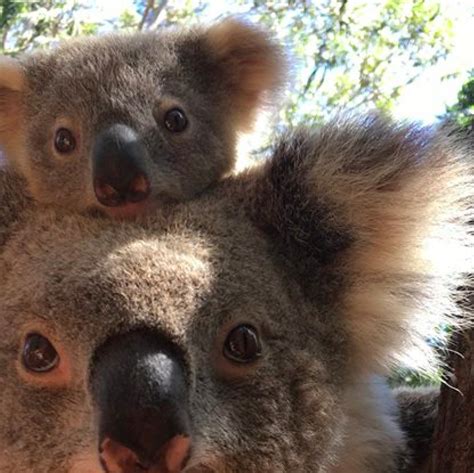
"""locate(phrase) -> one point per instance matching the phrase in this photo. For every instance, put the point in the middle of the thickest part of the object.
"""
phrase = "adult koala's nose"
(140, 391)
(119, 175)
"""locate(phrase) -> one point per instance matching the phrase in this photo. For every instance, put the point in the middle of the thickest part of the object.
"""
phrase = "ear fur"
(12, 84)
(252, 65)
(11, 75)
(374, 218)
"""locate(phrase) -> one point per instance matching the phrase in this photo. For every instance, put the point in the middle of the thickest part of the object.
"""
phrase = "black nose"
(139, 388)
(118, 160)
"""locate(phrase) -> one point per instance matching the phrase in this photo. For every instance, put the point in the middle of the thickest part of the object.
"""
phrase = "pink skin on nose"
(171, 458)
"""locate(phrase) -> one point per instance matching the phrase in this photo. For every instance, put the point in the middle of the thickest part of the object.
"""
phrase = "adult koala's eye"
(175, 120)
(242, 344)
(64, 141)
(39, 355)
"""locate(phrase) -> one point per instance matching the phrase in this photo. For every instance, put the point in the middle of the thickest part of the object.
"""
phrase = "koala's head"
(121, 121)
(228, 334)
(161, 348)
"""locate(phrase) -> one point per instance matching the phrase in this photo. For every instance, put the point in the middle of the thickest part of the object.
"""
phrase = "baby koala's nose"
(119, 177)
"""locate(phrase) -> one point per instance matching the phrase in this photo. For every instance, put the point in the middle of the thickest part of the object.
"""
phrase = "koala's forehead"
(166, 271)
(90, 69)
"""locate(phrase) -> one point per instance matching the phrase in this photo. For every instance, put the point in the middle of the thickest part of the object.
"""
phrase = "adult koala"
(243, 332)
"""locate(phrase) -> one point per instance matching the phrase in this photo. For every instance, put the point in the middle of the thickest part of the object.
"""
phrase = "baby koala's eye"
(64, 141)
(39, 355)
(175, 120)
(242, 344)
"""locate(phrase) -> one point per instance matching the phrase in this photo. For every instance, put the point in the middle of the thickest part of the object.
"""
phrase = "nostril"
(176, 453)
(116, 458)
(139, 189)
(106, 194)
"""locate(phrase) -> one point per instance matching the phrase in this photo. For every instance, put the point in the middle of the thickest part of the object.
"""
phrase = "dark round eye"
(242, 344)
(175, 120)
(39, 355)
(64, 141)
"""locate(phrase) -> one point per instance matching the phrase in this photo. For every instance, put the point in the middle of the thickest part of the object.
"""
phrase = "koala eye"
(39, 355)
(64, 141)
(242, 344)
(175, 120)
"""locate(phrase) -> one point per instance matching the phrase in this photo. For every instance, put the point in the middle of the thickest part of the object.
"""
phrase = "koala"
(417, 415)
(122, 122)
(247, 330)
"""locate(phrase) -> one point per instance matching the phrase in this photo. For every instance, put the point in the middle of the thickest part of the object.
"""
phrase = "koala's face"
(177, 347)
(121, 122)
(116, 109)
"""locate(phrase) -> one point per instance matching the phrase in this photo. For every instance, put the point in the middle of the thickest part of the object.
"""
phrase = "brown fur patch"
(253, 66)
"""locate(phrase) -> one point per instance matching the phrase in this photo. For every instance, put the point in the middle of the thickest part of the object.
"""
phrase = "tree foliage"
(357, 54)
(463, 110)
(153, 14)
(31, 24)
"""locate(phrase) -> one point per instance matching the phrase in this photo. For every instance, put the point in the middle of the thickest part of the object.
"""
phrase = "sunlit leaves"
(36, 24)
(463, 110)
(357, 54)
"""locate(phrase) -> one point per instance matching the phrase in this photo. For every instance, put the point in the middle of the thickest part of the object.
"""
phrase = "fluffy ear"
(11, 75)
(11, 88)
(374, 218)
(252, 66)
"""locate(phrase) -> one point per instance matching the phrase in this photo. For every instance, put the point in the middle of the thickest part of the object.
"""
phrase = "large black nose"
(140, 391)
(119, 175)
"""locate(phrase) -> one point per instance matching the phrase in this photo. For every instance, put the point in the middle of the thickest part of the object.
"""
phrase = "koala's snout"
(140, 391)
(119, 175)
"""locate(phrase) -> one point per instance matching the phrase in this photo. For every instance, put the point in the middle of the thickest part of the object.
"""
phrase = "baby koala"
(122, 122)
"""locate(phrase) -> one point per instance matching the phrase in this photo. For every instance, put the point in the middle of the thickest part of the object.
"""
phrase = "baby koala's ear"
(12, 84)
(252, 66)
(11, 75)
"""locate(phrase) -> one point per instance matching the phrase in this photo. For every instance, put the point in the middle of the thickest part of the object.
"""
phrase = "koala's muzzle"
(139, 388)
(119, 175)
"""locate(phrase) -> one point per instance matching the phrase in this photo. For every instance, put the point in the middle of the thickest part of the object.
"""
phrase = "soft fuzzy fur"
(344, 249)
(220, 76)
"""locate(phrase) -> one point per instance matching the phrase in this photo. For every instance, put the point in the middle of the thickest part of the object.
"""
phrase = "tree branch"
(6, 30)
(453, 443)
(157, 13)
(149, 5)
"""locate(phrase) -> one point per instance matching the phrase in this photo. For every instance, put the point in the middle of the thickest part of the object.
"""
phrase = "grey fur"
(308, 247)
(418, 409)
